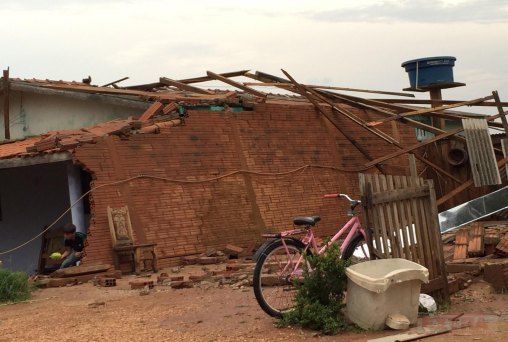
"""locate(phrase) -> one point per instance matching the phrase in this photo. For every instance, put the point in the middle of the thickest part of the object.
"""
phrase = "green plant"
(14, 286)
(320, 296)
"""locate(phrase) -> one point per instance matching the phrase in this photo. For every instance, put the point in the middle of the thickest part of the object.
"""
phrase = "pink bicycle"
(280, 259)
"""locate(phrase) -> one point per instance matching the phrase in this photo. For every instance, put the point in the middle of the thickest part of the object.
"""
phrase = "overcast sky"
(357, 43)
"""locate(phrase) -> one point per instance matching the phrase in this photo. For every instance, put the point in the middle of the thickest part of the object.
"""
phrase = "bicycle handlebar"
(341, 195)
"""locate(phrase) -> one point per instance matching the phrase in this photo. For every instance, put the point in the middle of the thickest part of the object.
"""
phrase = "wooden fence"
(401, 214)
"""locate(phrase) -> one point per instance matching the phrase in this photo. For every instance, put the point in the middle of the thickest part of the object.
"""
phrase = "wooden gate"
(401, 214)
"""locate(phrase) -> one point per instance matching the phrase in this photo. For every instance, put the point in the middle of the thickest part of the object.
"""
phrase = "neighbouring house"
(198, 169)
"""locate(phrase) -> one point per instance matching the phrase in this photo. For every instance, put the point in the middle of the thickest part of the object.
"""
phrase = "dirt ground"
(209, 313)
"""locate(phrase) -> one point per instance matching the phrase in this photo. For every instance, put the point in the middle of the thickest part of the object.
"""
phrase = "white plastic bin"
(379, 288)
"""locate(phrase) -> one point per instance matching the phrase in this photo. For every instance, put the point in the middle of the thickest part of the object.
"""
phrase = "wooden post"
(435, 94)
(412, 165)
(7, 128)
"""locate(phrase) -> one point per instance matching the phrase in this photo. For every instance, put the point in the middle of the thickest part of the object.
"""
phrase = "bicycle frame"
(353, 225)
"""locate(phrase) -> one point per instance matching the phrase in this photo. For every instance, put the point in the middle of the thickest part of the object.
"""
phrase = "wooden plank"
(438, 241)
(410, 230)
(412, 165)
(6, 91)
(184, 86)
(400, 194)
(381, 212)
(403, 220)
(115, 82)
(151, 111)
(500, 110)
(235, 84)
(80, 270)
(413, 147)
(424, 228)
(439, 102)
(208, 78)
(430, 110)
(390, 217)
(462, 267)
(461, 244)
(476, 240)
(277, 84)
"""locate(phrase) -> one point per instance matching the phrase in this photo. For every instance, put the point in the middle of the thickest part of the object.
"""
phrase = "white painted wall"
(31, 198)
(34, 114)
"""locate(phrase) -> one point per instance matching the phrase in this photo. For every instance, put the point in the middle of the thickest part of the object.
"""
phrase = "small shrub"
(14, 286)
(320, 296)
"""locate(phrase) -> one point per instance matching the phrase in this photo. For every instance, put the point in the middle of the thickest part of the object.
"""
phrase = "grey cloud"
(422, 11)
(54, 4)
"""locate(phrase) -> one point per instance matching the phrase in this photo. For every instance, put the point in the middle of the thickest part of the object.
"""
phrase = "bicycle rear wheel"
(356, 249)
(274, 275)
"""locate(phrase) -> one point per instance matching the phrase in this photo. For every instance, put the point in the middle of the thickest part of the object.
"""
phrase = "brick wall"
(187, 218)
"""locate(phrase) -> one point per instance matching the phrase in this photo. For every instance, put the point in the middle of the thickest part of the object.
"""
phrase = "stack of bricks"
(188, 218)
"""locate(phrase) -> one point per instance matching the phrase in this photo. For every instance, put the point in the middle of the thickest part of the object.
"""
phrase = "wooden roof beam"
(183, 86)
(235, 84)
(208, 78)
(429, 110)
(271, 84)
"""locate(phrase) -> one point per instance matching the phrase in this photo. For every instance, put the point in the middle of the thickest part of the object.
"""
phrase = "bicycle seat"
(306, 220)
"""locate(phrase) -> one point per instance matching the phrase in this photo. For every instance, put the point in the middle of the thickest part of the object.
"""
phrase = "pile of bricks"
(478, 249)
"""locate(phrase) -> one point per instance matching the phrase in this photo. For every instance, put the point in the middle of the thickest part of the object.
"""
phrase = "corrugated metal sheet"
(481, 152)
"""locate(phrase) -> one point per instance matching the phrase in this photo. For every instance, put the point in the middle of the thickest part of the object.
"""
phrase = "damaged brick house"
(235, 167)
(197, 168)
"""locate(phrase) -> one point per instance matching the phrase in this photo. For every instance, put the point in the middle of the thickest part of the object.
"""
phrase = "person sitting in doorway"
(74, 244)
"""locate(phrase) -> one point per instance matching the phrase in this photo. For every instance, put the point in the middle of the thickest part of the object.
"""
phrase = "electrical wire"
(181, 181)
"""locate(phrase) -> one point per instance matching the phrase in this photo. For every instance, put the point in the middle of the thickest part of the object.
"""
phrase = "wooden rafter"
(208, 78)
(184, 86)
(304, 90)
(235, 84)
(430, 110)
(276, 84)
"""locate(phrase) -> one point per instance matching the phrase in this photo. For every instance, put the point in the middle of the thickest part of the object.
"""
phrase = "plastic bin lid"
(427, 59)
(378, 275)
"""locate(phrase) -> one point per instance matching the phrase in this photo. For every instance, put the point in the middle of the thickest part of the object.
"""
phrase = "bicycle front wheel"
(274, 275)
(356, 249)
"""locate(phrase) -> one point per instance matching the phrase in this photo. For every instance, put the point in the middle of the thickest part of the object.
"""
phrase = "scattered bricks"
(107, 282)
(502, 246)
(233, 250)
(140, 283)
(162, 277)
(198, 278)
(461, 243)
(476, 240)
(190, 260)
(182, 284)
(176, 278)
(496, 274)
(205, 260)
(453, 286)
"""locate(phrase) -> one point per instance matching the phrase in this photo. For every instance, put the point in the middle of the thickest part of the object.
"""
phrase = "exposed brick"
(189, 218)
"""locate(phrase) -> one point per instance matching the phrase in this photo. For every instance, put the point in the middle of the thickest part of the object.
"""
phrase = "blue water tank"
(424, 72)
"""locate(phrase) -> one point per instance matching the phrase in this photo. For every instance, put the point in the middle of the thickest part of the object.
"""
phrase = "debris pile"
(478, 249)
